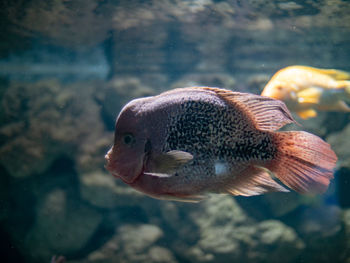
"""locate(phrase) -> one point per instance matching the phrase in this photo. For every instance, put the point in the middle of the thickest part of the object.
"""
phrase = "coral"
(59, 221)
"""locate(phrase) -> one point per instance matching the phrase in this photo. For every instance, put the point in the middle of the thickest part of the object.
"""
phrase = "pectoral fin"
(167, 163)
(160, 175)
(310, 95)
(183, 198)
(306, 114)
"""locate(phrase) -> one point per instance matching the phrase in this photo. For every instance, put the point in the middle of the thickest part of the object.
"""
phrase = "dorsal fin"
(266, 113)
(333, 73)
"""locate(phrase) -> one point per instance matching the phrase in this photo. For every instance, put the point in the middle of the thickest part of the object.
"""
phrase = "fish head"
(279, 90)
(127, 157)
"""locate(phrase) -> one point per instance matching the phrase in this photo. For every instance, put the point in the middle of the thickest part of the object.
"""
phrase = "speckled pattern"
(214, 132)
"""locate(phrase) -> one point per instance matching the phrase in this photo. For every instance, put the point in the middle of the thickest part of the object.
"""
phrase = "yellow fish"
(306, 90)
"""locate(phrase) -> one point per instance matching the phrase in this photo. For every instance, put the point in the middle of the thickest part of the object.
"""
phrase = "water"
(67, 68)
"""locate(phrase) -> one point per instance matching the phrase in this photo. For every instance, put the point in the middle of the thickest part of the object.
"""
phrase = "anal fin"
(254, 181)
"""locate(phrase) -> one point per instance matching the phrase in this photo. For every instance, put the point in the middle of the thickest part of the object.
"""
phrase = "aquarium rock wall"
(66, 70)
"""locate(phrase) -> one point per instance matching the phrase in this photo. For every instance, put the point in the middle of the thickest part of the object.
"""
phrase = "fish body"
(307, 90)
(185, 143)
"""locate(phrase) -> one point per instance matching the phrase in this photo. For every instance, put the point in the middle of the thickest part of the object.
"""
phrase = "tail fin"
(304, 162)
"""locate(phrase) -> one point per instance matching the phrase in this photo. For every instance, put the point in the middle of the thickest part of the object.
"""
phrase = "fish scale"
(224, 139)
(228, 139)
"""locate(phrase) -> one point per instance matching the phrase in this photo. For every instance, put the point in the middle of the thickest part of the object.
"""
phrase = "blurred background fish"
(307, 90)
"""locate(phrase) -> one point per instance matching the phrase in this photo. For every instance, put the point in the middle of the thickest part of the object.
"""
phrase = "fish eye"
(128, 139)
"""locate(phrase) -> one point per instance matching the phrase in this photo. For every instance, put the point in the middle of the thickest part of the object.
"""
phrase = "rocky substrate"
(59, 200)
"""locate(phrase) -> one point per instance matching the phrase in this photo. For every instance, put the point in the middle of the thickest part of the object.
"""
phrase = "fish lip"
(115, 174)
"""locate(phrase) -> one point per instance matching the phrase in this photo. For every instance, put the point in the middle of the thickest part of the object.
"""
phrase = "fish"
(306, 90)
(187, 143)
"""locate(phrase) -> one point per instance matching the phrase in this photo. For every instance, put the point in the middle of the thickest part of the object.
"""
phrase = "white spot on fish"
(221, 168)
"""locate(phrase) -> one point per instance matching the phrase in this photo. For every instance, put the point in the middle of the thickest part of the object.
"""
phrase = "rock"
(220, 80)
(226, 233)
(257, 83)
(220, 210)
(136, 239)
(133, 243)
(116, 94)
(5, 204)
(321, 229)
(103, 190)
(342, 186)
(62, 226)
(62, 22)
(275, 239)
(44, 120)
(170, 213)
(273, 205)
(319, 222)
(339, 144)
(346, 222)
(161, 255)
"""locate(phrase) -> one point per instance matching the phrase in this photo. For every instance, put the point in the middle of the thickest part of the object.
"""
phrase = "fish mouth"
(108, 165)
(111, 167)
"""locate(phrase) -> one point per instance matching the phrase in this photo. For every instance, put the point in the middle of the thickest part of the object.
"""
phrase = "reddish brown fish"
(187, 142)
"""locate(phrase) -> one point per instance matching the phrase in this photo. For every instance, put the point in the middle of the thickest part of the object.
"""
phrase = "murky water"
(66, 70)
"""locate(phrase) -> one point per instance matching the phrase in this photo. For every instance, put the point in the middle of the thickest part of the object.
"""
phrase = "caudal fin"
(304, 162)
